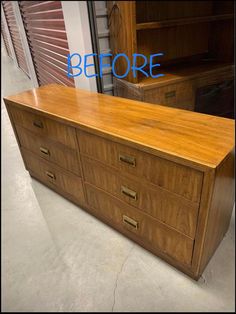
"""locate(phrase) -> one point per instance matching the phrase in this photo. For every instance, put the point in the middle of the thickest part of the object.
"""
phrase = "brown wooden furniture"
(196, 38)
(161, 176)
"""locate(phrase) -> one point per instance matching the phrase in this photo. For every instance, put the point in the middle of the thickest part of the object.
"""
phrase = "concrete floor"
(56, 257)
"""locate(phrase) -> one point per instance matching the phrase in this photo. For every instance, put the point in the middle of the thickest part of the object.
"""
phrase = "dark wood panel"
(184, 21)
(194, 40)
(181, 30)
(219, 47)
(216, 99)
(167, 10)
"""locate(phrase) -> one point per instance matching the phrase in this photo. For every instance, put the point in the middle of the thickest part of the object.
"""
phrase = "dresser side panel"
(220, 210)
(8, 107)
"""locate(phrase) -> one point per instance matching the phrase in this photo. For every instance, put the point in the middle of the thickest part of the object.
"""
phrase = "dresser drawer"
(179, 95)
(169, 175)
(55, 152)
(144, 227)
(171, 209)
(54, 176)
(44, 126)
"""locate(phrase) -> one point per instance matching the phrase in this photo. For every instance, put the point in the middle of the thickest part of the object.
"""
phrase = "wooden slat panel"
(45, 29)
(15, 35)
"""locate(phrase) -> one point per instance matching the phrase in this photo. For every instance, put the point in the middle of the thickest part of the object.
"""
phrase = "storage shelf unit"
(195, 37)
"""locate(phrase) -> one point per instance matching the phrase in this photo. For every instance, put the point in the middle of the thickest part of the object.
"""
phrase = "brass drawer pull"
(131, 222)
(127, 159)
(51, 175)
(170, 94)
(126, 191)
(45, 151)
(38, 124)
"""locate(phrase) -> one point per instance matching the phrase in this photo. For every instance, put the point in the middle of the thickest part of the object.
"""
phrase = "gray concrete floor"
(56, 257)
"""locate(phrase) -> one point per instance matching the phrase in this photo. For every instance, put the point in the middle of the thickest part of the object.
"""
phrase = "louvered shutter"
(5, 39)
(15, 35)
(45, 29)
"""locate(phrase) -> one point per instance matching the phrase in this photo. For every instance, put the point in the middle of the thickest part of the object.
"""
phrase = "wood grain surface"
(50, 150)
(179, 179)
(161, 176)
(46, 127)
(195, 139)
(158, 235)
(53, 175)
(163, 205)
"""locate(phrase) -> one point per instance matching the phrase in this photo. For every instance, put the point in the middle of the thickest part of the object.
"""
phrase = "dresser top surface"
(197, 138)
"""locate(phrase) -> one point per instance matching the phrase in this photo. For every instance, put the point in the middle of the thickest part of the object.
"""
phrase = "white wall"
(79, 39)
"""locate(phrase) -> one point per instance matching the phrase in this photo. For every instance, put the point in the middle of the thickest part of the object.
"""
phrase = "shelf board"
(181, 72)
(183, 21)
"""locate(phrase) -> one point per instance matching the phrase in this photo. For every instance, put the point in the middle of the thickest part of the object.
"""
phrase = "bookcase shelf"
(196, 39)
(183, 21)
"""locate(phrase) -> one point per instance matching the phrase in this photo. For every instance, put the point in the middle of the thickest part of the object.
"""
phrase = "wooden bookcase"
(195, 37)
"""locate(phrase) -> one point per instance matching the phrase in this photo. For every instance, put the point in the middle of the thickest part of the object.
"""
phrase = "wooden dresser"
(161, 176)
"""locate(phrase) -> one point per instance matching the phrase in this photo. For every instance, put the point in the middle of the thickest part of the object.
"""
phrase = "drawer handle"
(170, 94)
(38, 124)
(127, 192)
(131, 222)
(45, 151)
(127, 159)
(51, 175)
